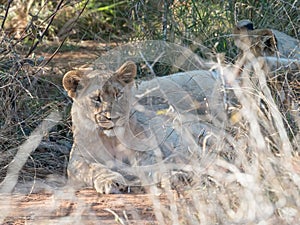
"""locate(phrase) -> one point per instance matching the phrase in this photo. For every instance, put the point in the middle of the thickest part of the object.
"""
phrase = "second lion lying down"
(127, 135)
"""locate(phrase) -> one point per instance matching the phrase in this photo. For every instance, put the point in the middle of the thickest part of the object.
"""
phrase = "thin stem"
(6, 13)
(46, 29)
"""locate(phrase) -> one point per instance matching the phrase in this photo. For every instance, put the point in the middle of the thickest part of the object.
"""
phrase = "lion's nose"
(106, 114)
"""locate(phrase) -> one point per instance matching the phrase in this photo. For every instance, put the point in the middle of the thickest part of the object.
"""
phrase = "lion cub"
(127, 135)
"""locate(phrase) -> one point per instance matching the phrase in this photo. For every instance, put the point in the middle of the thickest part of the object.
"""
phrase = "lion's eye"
(97, 99)
(118, 95)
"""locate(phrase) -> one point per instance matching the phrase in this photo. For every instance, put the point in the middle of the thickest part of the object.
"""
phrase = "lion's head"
(96, 93)
(265, 42)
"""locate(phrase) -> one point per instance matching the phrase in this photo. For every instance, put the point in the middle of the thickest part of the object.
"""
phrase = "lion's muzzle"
(104, 120)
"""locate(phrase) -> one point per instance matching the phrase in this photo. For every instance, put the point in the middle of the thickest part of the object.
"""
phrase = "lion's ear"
(71, 81)
(127, 72)
(245, 24)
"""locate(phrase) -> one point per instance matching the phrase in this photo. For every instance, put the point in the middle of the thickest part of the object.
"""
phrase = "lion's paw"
(114, 183)
(180, 180)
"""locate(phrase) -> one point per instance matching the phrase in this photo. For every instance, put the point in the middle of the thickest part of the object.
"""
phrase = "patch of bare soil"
(69, 57)
(85, 207)
(75, 54)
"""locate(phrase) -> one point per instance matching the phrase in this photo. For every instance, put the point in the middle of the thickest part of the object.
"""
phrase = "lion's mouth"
(106, 125)
(104, 122)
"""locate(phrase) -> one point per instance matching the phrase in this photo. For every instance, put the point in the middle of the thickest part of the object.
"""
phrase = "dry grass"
(253, 180)
(27, 97)
(254, 176)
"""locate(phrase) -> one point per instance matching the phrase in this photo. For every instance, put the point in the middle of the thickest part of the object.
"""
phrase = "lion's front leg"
(95, 175)
(176, 180)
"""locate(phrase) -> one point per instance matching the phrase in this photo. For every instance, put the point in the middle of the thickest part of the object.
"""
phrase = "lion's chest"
(116, 149)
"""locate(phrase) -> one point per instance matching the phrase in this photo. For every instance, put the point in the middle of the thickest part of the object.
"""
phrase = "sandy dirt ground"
(84, 207)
